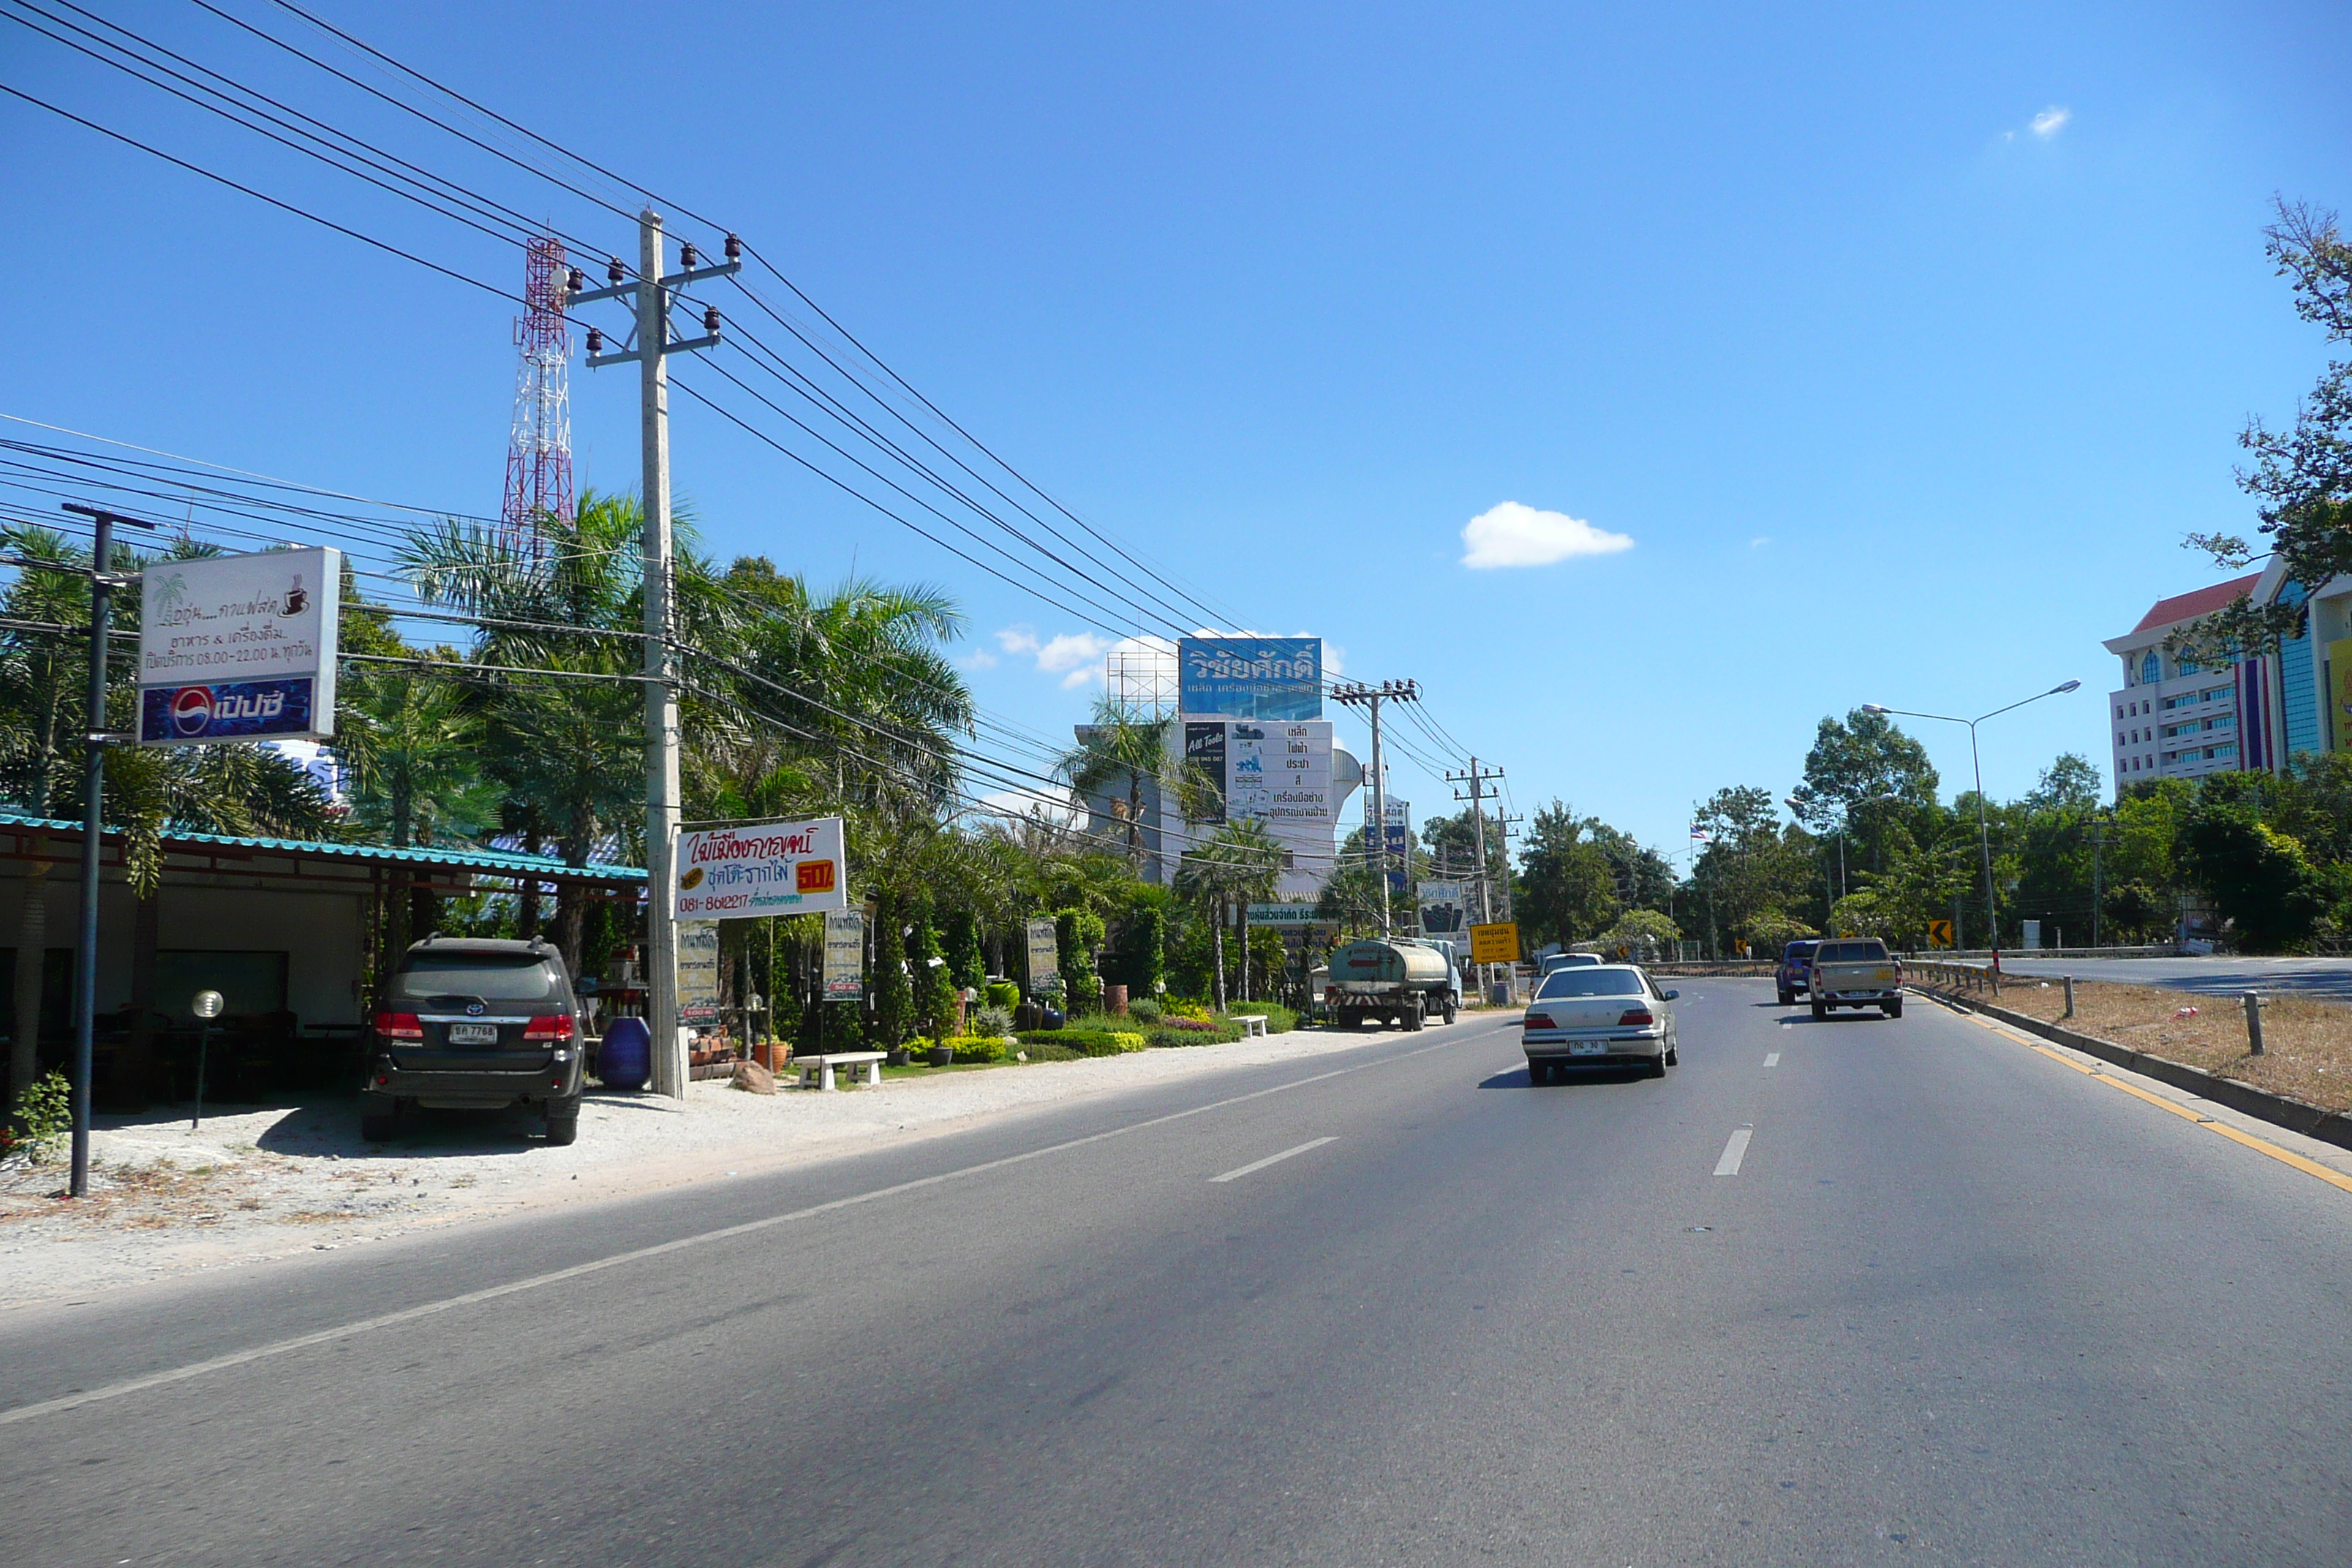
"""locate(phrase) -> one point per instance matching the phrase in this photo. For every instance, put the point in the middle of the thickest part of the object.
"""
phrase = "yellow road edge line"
(2334, 1178)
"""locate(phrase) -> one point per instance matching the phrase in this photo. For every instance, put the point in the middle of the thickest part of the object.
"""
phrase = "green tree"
(1122, 749)
(1239, 864)
(1568, 885)
(2259, 879)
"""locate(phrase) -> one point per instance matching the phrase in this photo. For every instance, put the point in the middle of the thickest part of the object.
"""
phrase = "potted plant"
(943, 1055)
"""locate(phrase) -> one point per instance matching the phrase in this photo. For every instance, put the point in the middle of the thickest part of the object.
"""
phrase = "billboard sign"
(770, 868)
(698, 971)
(239, 647)
(1275, 774)
(844, 955)
(1445, 906)
(1275, 678)
(1204, 755)
(1044, 953)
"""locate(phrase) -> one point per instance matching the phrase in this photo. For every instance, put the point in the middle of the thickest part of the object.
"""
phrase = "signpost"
(844, 955)
(1496, 944)
(239, 647)
(766, 868)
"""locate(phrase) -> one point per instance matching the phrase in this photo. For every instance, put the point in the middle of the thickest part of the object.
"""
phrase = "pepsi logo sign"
(191, 709)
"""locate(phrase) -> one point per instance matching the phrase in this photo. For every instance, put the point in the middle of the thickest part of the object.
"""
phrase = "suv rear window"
(1797, 950)
(1589, 982)
(492, 976)
(1851, 953)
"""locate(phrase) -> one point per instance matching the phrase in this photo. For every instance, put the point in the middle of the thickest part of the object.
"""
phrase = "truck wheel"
(1452, 1011)
(1415, 1017)
(1788, 998)
(1821, 1010)
(1893, 1009)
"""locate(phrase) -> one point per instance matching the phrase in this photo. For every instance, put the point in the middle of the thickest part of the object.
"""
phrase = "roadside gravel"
(256, 1184)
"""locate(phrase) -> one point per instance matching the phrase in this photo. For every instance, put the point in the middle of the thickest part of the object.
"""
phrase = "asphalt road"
(1958, 1303)
(2330, 977)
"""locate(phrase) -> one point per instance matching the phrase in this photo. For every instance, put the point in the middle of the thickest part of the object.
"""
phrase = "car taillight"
(1538, 1021)
(558, 1027)
(399, 1026)
(1636, 1018)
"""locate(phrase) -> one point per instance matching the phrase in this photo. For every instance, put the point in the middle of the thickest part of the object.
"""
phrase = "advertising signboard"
(1044, 953)
(1282, 915)
(698, 971)
(1397, 841)
(1444, 907)
(1250, 678)
(1277, 774)
(769, 869)
(1205, 756)
(1496, 944)
(844, 955)
(239, 647)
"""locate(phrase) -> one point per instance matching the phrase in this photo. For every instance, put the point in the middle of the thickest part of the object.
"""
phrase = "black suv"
(475, 1023)
(1795, 971)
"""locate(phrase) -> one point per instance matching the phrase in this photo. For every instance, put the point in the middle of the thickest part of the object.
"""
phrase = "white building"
(2173, 717)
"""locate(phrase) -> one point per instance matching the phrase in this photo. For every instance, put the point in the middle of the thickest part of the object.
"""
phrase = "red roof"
(2204, 602)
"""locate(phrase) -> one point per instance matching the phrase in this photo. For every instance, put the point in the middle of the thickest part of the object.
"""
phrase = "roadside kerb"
(2280, 1111)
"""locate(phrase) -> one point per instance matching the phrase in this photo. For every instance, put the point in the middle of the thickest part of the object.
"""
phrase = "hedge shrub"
(978, 1048)
(1194, 1032)
(1092, 1042)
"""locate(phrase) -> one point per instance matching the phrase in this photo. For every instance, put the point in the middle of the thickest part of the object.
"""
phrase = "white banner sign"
(1044, 953)
(772, 868)
(844, 955)
(698, 971)
(239, 647)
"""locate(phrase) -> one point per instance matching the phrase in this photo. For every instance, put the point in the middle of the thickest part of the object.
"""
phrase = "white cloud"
(1760, 542)
(1513, 534)
(980, 658)
(1017, 640)
(1076, 656)
(2051, 122)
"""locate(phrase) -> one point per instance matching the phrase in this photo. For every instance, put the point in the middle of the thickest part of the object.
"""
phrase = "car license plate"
(1588, 1048)
(473, 1033)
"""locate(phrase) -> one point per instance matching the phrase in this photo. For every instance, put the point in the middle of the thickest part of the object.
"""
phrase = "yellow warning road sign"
(1498, 943)
(1939, 933)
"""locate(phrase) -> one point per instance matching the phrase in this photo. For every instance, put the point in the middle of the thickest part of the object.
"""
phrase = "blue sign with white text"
(228, 711)
(1250, 678)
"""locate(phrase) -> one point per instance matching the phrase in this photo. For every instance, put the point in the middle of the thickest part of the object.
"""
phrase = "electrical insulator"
(614, 271)
(577, 280)
(734, 248)
(596, 342)
(686, 258)
(710, 320)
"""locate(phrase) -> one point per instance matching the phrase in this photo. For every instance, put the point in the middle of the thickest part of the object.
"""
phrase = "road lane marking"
(1272, 1160)
(2334, 1178)
(1771, 1058)
(725, 1233)
(1734, 1151)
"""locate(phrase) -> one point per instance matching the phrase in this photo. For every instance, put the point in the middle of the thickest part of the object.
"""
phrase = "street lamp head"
(2070, 686)
(1876, 707)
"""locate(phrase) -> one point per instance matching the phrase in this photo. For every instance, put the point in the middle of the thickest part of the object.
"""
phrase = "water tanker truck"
(1399, 980)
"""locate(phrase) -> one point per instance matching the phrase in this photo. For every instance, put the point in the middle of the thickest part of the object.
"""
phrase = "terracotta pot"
(1115, 1001)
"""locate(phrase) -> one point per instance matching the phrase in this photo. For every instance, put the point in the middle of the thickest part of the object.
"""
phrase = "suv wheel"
(1788, 998)
(378, 1126)
(562, 1128)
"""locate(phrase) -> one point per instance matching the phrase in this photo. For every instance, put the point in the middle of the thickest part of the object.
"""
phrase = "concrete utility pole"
(1504, 822)
(103, 584)
(650, 346)
(1376, 839)
(1476, 779)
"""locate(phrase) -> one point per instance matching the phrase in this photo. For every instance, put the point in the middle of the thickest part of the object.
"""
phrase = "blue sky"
(1897, 396)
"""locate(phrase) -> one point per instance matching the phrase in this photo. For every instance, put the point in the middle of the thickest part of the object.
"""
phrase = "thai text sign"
(239, 647)
(698, 971)
(770, 868)
(1044, 953)
(1250, 678)
(1283, 915)
(844, 955)
(1279, 775)
(1498, 943)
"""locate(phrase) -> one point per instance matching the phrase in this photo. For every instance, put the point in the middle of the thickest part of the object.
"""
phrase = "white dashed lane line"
(1771, 1058)
(1734, 1151)
(1270, 1160)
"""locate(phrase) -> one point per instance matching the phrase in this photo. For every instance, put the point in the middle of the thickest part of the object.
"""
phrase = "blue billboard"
(225, 711)
(1250, 678)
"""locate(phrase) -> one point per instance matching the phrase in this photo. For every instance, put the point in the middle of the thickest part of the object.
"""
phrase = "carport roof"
(496, 862)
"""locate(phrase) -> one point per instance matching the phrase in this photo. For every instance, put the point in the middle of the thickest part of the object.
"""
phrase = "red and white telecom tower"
(538, 446)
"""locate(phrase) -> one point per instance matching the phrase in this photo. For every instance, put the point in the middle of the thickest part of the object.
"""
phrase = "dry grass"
(155, 1196)
(2307, 1043)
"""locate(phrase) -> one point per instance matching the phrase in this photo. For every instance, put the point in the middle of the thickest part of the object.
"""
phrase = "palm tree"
(1123, 746)
(1241, 863)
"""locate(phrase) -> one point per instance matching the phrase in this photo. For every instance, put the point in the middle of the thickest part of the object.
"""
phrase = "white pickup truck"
(1855, 972)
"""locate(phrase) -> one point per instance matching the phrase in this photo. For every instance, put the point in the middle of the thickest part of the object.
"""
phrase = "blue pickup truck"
(1794, 972)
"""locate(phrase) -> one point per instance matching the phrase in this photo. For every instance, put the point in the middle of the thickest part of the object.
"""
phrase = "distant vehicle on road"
(1600, 1016)
(1570, 961)
(1401, 979)
(475, 1023)
(1857, 972)
(1794, 972)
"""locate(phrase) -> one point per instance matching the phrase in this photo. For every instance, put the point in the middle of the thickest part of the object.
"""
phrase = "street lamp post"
(1975, 763)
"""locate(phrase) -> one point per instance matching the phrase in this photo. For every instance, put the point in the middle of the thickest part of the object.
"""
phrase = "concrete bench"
(1253, 1023)
(817, 1071)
